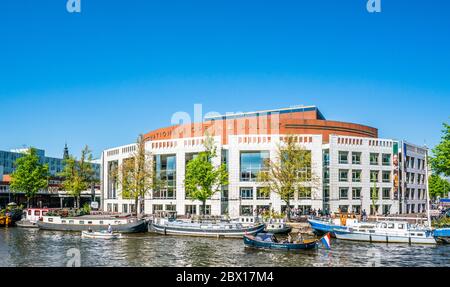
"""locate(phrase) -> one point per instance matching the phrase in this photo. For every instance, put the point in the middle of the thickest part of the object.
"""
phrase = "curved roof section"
(293, 120)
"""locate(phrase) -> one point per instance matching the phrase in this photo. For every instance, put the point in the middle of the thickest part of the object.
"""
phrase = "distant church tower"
(66, 152)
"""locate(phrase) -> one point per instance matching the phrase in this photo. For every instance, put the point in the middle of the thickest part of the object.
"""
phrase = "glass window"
(356, 158)
(157, 207)
(252, 163)
(343, 157)
(304, 193)
(246, 193)
(386, 159)
(125, 208)
(165, 168)
(343, 193)
(343, 175)
(326, 192)
(207, 208)
(386, 193)
(261, 194)
(356, 175)
(356, 193)
(246, 210)
(343, 208)
(374, 158)
(190, 209)
(386, 175)
(374, 175)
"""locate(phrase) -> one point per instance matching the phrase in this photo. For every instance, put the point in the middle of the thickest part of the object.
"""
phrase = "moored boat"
(219, 229)
(442, 235)
(269, 241)
(31, 216)
(100, 235)
(277, 226)
(94, 223)
(322, 226)
(388, 232)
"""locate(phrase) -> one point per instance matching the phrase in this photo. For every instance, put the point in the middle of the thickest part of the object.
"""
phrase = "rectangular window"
(115, 207)
(386, 159)
(246, 193)
(304, 193)
(356, 175)
(386, 193)
(356, 193)
(374, 193)
(343, 208)
(190, 209)
(343, 193)
(343, 157)
(343, 175)
(165, 169)
(207, 208)
(157, 207)
(246, 210)
(252, 163)
(374, 175)
(262, 194)
(374, 158)
(326, 192)
(386, 175)
(125, 208)
(171, 207)
(356, 158)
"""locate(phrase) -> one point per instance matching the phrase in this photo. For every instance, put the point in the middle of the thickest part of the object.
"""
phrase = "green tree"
(202, 178)
(136, 174)
(438, 186)
(30, 175)
(440, 162)
(290, 172)
(374, 198)
(78, 175)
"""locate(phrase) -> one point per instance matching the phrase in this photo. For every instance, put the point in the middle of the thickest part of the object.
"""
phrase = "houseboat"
(31, 216)
(94, 223)
(388, 232)
(168, 224)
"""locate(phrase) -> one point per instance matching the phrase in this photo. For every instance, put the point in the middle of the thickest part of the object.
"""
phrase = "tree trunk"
(288, 210)
(78, 202)
(204, 207)
(28, 202)
(137, 206)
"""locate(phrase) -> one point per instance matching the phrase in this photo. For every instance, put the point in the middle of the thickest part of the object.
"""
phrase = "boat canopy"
(265, 237)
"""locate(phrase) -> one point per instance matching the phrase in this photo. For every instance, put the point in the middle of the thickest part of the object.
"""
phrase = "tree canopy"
(438, 186)
(290, 172)
(30, 175)
(202, 178)
(136, 174)
(440, 162)
(78, 175)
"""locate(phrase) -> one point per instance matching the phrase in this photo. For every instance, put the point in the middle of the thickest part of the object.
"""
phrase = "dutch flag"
(326, 241)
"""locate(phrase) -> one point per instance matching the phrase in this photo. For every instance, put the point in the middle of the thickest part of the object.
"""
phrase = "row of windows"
(357, 175)
(356, 193)
(413, 179)
(356, 158)
(412, 162)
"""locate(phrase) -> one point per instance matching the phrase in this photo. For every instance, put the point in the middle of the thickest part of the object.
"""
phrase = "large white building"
(356, 170)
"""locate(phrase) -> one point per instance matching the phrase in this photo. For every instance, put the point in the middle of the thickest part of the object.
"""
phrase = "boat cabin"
(35, 214)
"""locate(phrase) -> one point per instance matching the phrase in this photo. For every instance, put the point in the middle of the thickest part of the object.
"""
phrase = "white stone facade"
(329, 193)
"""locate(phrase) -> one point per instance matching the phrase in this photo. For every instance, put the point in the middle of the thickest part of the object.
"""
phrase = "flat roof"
(293, 109)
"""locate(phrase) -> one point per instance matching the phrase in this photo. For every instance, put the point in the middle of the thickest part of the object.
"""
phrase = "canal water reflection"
(33, 247)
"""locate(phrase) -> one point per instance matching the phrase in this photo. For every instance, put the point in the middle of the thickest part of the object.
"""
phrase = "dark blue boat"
(269, 241)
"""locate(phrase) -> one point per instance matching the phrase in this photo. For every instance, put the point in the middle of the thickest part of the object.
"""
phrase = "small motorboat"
(269, 241)
(100, 234)
(277, 226)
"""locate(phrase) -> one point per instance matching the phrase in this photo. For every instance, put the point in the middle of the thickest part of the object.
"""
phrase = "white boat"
(388, 232)
(100, 235)
(277, 226)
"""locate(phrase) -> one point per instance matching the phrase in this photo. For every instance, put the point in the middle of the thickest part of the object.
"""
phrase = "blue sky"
(123, 67)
